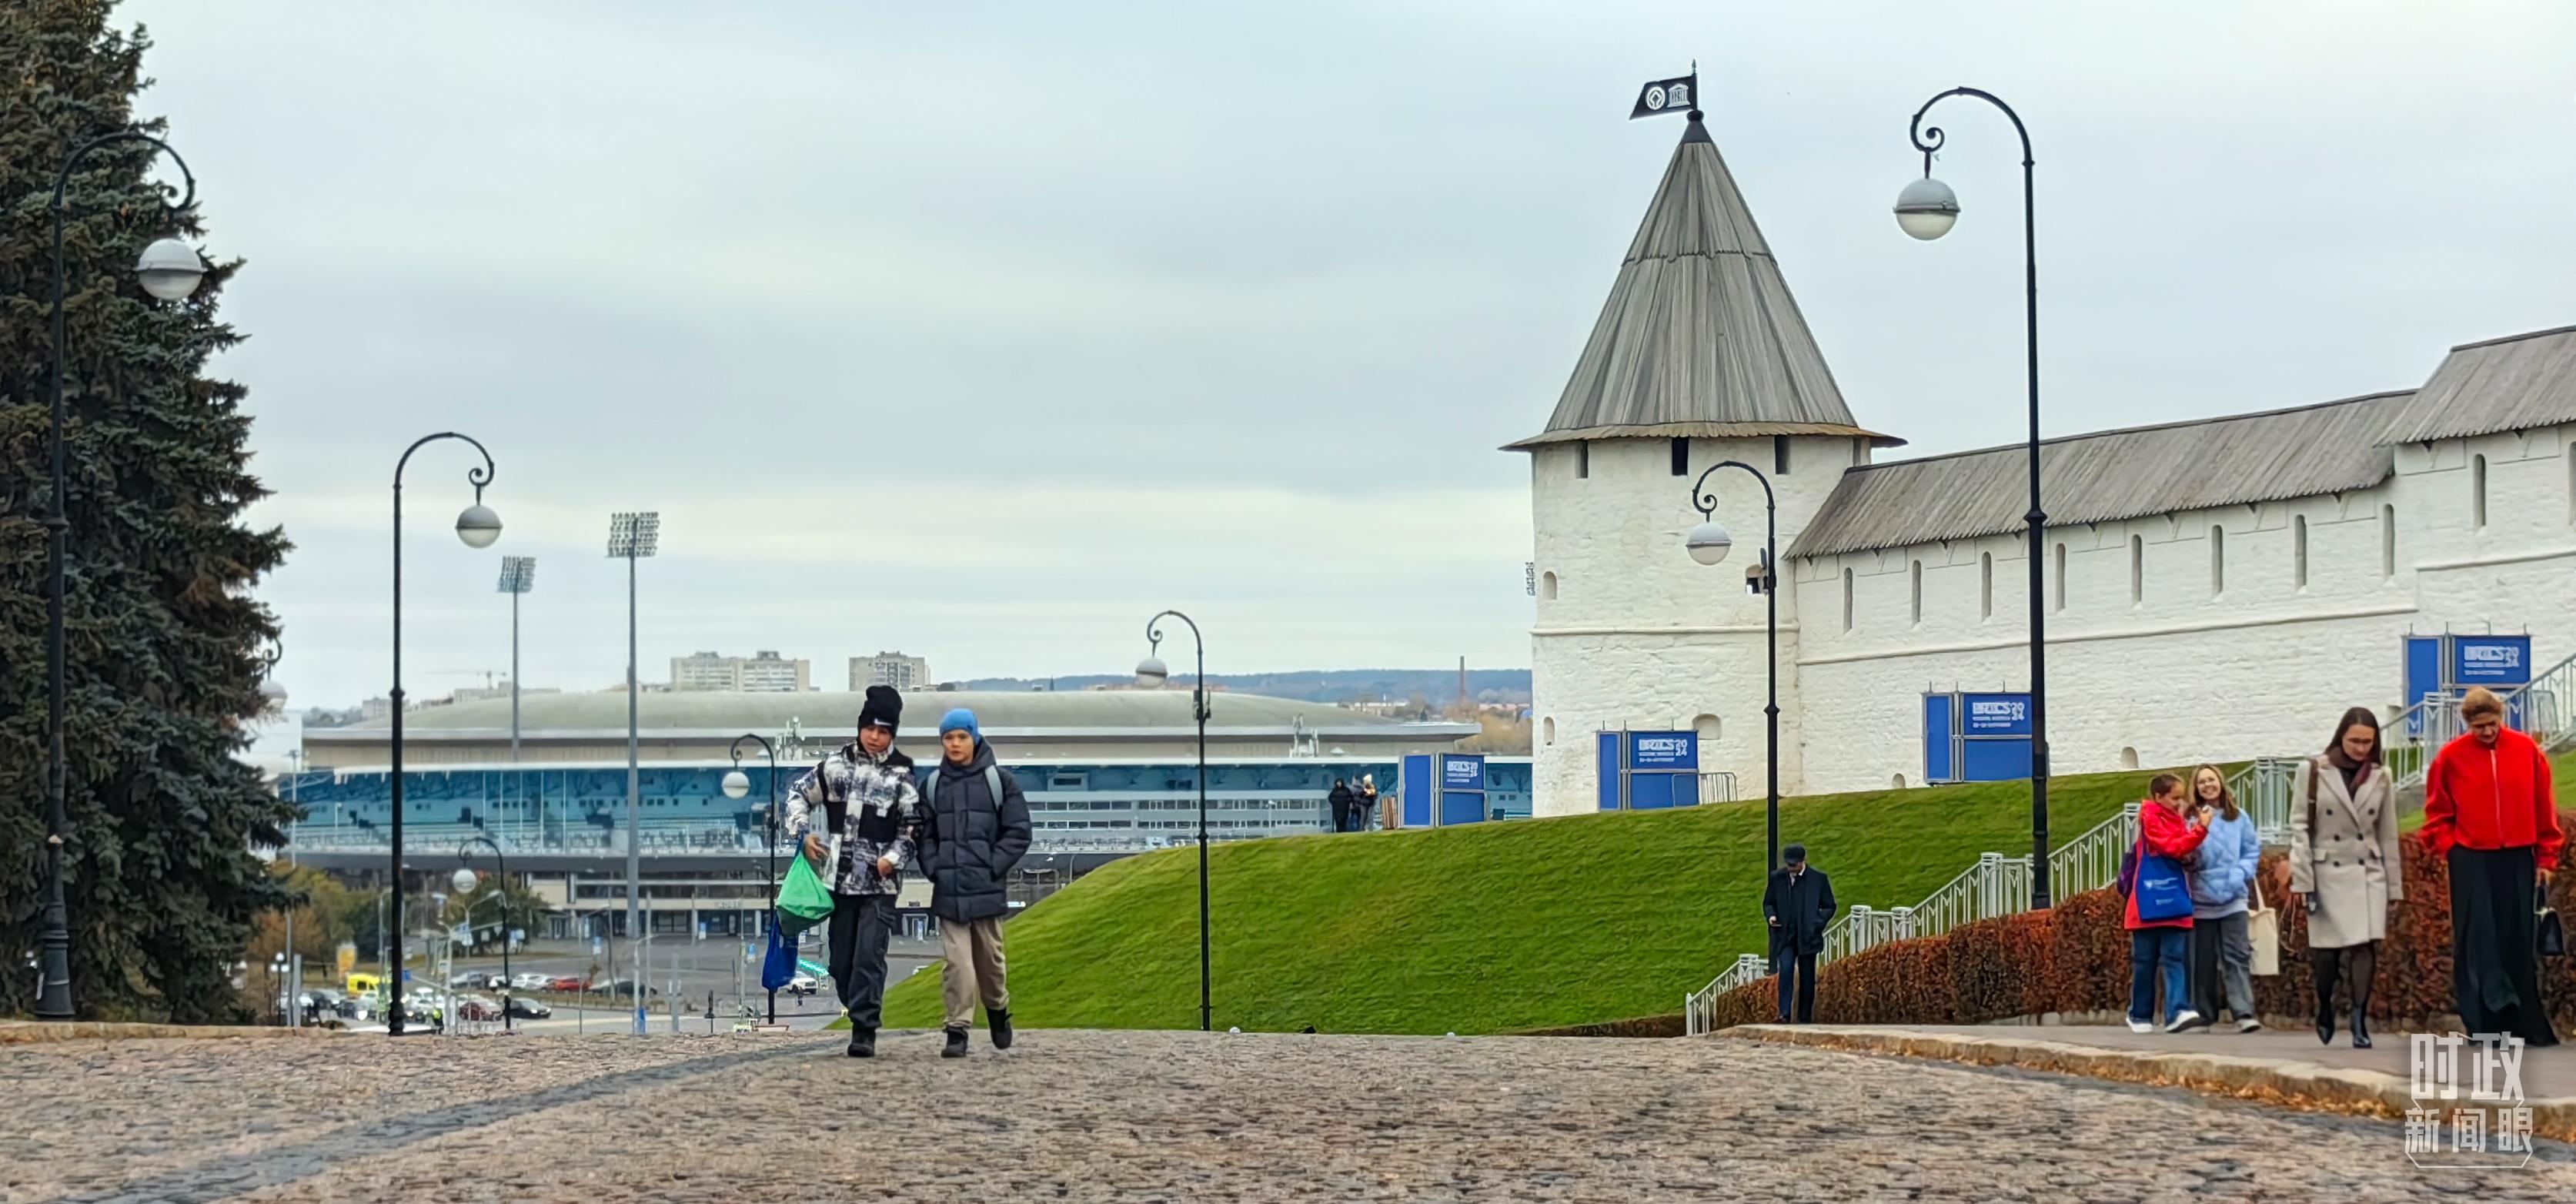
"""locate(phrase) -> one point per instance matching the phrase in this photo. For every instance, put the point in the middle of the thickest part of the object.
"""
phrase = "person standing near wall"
(1797, 905)
(2158, 911)
(2346, 865)
(2222, 889)
(1339, 803)
(2491, 812)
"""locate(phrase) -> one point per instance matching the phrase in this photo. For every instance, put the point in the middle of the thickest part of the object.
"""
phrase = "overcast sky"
(983, 332)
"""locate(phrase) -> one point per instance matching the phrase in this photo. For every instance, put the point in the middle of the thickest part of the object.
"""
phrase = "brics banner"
(1663, 750)
(1997, 714)
(2490, 660)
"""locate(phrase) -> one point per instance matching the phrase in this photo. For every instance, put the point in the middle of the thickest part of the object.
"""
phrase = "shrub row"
(2075, 958)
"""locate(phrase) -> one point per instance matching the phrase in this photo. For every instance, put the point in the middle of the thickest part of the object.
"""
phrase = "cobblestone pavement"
(1148, 1116)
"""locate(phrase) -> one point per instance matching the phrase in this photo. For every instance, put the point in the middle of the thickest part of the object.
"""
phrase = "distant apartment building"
(764, 672)
(889, 669)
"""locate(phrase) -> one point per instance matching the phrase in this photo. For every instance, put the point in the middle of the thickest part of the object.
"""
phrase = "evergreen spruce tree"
(164, 636)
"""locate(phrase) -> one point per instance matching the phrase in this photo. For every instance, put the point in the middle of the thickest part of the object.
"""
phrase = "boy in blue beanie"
(975, 830)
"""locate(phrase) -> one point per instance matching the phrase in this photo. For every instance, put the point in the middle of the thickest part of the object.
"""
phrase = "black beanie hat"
(884, 708)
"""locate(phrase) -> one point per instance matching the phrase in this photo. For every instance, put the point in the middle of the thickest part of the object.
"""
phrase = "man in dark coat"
(1798, 904)
(1340, 801)
(975, 829)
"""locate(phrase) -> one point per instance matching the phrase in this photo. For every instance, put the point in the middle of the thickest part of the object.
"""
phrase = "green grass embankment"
(1486, 928)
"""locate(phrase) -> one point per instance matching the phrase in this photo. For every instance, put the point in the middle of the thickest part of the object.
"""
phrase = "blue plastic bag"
(777, 969)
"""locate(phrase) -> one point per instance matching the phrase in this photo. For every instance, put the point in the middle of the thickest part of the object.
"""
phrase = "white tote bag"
(2263, 930)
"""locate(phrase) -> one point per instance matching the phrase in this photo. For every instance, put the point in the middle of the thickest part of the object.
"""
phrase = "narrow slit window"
(1985, 585)
(1779, 455)
(2299, 550)
(2478, 490)
(2137, 569)
(2217, 561)
(1847, 599)
(1681, 457)
(2058, 571)
(1582, 460)
(1916, 608)
(2388, 543)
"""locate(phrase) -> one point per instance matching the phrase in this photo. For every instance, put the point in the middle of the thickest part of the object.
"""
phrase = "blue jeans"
(2151, 950)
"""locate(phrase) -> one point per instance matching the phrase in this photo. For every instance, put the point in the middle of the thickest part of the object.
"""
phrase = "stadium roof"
(712, 713)
(1700, 336)
(2108, 476)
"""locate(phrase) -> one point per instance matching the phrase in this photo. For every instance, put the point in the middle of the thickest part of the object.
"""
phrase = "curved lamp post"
(168, 270)
(1926, 209)
(1708, 544)
(1152, 672)
(464, 882)
(477, 526)
(736, 785)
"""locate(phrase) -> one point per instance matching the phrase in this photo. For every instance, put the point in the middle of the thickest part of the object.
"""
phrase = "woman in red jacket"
(2165, 943)
(2490, 811)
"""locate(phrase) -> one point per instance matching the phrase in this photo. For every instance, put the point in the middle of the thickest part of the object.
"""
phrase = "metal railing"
(1716, 786)
(1699, 1008)
(2262, 790)
(2541, 712)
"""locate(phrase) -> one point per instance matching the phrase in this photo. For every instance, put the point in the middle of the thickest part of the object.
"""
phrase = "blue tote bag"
(780, 966)
(2158, 885)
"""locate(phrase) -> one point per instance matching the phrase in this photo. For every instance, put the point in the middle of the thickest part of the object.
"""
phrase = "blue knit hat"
(960, 720)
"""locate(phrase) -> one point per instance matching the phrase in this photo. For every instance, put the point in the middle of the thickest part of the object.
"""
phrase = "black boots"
(863, 1043)
(2360, 1029)
(1000, 1019)
(956, 1047)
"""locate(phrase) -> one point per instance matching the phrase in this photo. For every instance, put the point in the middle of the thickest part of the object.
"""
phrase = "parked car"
(463, 978)
(803, 984)
(524, 981)
(567, 982)
(619, 988)
(529, 1009)
(476, 1007)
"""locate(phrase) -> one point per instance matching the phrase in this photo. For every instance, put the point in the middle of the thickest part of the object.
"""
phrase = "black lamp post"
(1152, 672)
(170, 271)
(1926, 209)
(737, 785)
(477, 526)
(501, 866)
(1708, 544)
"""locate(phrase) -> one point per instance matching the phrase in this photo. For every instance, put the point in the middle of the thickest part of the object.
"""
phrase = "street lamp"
(736, 785)
(272, 696)
(464, 881)
(633, 536)
(518, 576)
(1152, 672)
(169, 270)
(1926, 209)
(477, 527)
(1709, 543)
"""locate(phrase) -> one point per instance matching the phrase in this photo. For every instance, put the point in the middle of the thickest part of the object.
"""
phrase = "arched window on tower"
(1547, 587)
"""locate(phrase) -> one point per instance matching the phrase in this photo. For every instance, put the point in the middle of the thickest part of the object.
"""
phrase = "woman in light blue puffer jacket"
(2222, 887)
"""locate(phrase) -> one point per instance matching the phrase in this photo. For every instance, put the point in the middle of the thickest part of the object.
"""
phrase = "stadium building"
(1107, 773)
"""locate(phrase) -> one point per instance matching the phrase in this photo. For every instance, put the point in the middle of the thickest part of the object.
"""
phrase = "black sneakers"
(1001, 1022)
(863, 1043)
(956, 1047)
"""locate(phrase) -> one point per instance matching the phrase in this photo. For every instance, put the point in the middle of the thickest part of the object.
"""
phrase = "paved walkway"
(2546, 1073)
(1148, 1116)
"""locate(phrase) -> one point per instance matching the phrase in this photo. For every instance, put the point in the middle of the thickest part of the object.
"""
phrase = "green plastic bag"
(802, 900)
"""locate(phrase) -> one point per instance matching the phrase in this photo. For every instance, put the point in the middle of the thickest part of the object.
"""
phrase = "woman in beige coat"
(2344, 864)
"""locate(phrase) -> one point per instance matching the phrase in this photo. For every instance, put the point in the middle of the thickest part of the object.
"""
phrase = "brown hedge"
(2075, 958)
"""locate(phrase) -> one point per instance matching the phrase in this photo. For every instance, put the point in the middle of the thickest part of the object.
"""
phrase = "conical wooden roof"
(1700, 336)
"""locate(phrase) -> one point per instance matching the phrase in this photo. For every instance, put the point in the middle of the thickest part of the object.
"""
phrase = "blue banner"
(1663, 750)
(1996, 714)
(2490, 660)
(1462, 772)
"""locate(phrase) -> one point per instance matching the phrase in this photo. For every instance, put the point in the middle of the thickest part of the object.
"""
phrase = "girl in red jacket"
(2490, 811)
(2163, 944)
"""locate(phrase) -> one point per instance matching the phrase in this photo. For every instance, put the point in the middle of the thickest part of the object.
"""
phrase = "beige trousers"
(975, 970)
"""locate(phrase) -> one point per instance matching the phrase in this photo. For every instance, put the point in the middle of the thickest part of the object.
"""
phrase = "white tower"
(1699, 356)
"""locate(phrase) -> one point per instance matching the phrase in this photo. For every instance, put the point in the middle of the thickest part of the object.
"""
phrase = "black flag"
(1667, 96)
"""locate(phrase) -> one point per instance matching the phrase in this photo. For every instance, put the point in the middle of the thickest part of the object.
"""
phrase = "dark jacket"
(971, 840)
(1803, 910)
(1342, 800)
